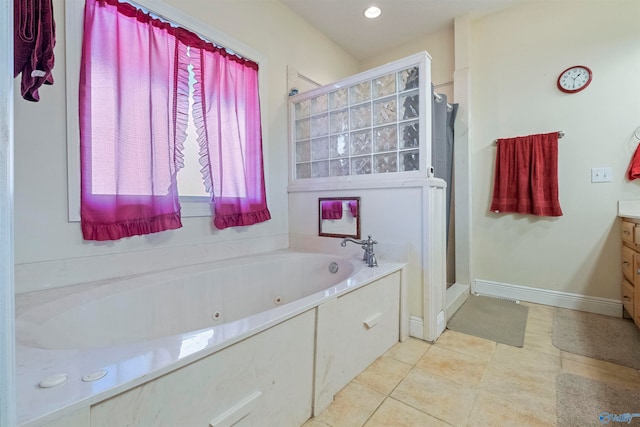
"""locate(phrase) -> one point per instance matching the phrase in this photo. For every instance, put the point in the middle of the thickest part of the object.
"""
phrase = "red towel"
(34, 38)
(526, 175)
(634, 166)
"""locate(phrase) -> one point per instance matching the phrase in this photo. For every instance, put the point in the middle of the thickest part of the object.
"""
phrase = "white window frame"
(74, 20)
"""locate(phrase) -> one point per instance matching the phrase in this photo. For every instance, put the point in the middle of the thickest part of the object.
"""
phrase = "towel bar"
(560, 135)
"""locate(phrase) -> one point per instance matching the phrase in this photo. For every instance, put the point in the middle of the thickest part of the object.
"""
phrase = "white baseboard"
(456, 296)
(609, 307)
(416, 327)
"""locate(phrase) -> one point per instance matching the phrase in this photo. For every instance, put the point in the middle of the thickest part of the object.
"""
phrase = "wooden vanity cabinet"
(631, 268)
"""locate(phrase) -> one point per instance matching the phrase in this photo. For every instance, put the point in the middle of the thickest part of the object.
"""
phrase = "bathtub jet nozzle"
(369, 256)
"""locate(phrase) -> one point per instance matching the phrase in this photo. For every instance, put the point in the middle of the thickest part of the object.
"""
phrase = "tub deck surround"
(140, 328)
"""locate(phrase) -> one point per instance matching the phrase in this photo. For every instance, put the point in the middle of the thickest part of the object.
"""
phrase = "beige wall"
(440, 46)
(516, 58)
(42, 231)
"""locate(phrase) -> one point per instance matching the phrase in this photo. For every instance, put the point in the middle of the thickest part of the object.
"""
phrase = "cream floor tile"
(533, 362)
(539, 326)
(397, 414)
(521, 387)
(540, 311)
(456, 366)
(409, 351)
(618, 375)
(314, 422)
(540, 342)
(352, 406)
(437, 396)
(467, 344)
(491, 410)
(517, 387)
(383, 374)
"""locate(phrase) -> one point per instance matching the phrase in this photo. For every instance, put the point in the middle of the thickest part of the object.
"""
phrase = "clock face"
(574, 79)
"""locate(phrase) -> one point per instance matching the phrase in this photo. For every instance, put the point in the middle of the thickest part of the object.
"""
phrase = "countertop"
(629, 209)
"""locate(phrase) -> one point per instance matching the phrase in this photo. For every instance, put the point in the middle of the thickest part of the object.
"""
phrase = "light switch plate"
(601, 174)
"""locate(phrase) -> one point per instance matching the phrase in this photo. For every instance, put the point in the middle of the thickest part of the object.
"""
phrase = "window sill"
(189, 209)
(195, 207)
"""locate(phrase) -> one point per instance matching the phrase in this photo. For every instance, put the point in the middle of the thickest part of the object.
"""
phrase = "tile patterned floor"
(466, 381)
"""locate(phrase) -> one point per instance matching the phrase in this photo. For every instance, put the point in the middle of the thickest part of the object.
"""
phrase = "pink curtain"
(227, 116)
(331, 209)
(134, 96)
(353, 208)
(131, 132)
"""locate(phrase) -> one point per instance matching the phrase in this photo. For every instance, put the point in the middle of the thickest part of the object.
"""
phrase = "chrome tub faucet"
(369, 256)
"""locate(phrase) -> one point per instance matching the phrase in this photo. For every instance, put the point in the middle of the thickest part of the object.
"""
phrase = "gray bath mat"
(601, 337)
(585, 402)
(494, 319)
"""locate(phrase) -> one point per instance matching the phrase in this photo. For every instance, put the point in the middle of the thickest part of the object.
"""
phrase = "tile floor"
(466, 381)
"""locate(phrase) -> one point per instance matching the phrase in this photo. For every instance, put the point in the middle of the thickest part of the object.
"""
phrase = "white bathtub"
(139, 328)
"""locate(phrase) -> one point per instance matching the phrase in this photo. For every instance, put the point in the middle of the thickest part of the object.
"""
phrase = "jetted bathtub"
(263, 340)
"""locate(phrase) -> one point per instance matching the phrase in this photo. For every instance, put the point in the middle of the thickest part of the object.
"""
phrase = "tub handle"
(372, 321)
(237, 411)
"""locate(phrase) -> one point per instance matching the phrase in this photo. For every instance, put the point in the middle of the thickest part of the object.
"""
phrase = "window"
(205, 91)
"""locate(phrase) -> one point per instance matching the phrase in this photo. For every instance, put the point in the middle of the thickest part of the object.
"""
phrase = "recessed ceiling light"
(372, 12)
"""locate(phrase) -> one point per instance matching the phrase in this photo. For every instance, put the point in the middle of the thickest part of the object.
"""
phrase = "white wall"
(406, 218)
(393, 217)
(49, 251)
(7, 306)
(517, 56)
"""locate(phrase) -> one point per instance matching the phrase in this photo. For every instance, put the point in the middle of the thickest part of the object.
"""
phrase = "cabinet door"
(636, 307)
(636, 235)
(636, 270)
(628, 231)
(628, 297)
(628, 256)
(352, 332)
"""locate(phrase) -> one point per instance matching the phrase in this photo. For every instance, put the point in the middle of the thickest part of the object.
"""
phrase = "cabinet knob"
(626, 298)
(626, 232)
(625, 262)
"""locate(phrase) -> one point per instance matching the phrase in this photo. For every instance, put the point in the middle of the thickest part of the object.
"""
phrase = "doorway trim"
(7, 286)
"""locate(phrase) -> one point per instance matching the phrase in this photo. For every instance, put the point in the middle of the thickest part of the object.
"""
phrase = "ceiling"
(401, 20)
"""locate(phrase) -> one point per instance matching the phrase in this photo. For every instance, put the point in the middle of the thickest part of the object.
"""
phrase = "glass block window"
(368, 127)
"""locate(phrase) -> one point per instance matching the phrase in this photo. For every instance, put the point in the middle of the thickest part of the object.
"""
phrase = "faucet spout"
(347, 239)
(369, 256)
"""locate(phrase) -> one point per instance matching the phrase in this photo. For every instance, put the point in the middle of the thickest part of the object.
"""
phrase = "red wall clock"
(574, 79)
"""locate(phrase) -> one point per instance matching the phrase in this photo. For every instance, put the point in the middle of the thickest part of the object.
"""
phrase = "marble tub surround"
(37, 276)
(462, 380)
(131, 362)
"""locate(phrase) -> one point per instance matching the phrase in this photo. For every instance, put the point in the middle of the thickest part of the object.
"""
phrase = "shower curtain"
(442, 121)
